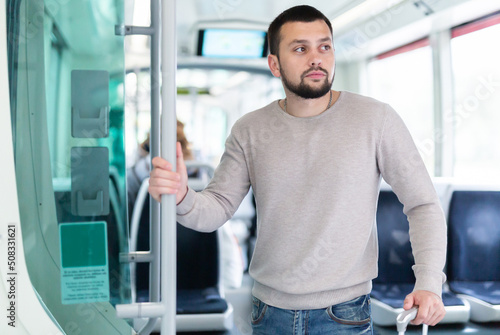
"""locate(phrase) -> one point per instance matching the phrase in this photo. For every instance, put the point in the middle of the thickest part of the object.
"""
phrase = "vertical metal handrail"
(163, 225)
(168, 151)
(154, 149)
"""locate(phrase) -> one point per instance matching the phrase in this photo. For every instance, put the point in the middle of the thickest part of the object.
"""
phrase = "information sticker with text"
(84, 262)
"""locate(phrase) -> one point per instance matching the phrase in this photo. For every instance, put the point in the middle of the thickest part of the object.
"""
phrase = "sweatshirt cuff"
(187, 204)
(429, 280)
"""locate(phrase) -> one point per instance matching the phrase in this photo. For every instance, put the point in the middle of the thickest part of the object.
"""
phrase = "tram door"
(66, 80)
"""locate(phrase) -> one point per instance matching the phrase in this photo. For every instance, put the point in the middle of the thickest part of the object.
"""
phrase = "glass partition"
(66, 73)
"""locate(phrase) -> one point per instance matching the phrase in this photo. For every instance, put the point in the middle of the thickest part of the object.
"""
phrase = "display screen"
(232, 43)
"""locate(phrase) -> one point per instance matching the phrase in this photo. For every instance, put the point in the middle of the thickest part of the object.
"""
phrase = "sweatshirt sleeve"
(402, 167)
(209, 209)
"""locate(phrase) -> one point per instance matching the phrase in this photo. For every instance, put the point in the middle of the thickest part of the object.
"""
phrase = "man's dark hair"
(301, 13)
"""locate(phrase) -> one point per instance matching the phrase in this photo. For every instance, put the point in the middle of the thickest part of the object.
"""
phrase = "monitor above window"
(232, 43)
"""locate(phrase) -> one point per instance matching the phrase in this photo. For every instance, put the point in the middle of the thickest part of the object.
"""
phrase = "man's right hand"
(165, 181)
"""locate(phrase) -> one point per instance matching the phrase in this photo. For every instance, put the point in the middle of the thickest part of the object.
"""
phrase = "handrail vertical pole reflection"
(168, 152)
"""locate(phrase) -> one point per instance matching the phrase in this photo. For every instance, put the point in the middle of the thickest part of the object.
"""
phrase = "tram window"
(403, 78)
(475, 54)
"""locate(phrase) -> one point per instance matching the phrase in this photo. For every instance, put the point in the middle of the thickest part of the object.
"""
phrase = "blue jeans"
(347, 318)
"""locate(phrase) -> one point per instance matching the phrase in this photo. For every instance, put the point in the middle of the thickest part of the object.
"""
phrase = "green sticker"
(84, 262)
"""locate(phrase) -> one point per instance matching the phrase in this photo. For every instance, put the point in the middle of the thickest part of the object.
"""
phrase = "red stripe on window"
(475, 26)
(405, 48)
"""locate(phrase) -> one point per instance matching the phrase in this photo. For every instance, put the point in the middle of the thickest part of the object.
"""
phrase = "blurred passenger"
(140, 170)
(232, 267)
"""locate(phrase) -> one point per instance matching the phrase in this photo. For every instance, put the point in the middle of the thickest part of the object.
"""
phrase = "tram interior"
(80, 120)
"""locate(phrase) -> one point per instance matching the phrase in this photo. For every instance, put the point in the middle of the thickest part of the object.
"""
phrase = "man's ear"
(274, 65)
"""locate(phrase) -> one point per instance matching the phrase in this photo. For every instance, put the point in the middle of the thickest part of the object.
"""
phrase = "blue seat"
(474, 251)
(396, 278)
(200, 302)
(488, 291)
(394, 295)
(197, 271)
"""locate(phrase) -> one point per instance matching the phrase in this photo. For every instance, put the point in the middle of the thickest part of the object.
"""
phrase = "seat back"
(395, 256)
(197, 259)
(197, 253)
(197, 256)
(474, 236)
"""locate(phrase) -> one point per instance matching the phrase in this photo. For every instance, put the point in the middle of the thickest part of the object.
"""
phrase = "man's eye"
(300, 49)
(326, 47)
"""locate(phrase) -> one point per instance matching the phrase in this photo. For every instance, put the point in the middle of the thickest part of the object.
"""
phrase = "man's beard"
(304, 90)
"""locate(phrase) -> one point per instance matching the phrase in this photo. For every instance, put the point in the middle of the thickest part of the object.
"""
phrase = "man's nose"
(315, 59)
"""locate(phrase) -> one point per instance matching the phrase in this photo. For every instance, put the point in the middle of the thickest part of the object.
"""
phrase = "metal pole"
(154, 279)
(168, 151)
(162, 260)
(154, 149)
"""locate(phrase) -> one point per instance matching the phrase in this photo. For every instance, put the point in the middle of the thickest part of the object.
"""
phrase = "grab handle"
(405, 317)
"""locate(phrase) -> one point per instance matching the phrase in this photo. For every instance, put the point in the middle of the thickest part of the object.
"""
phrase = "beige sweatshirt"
(316, 182)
